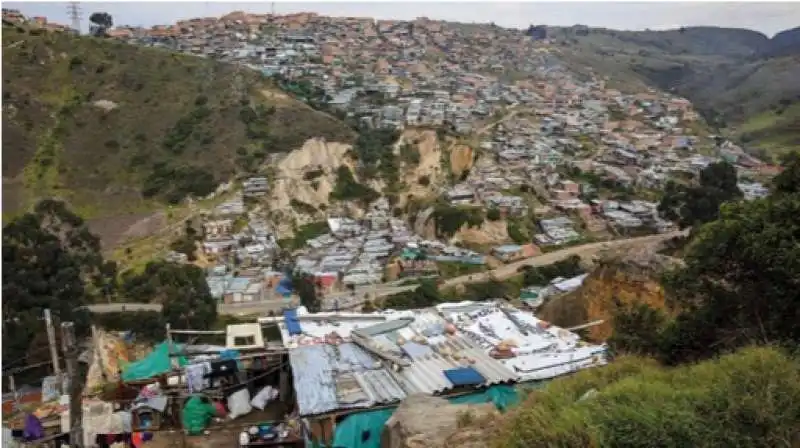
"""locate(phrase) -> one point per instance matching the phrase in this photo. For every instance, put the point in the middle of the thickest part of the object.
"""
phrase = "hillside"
(118, 130)
(731, 75)
(744, 399)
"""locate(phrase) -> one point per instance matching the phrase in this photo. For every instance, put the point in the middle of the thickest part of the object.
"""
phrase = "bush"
(303, 207)
(493, 214)
(174, 184)
(638, 404)
(450, 219)
(543, 275)
(347, 189)
(145, 325)
(424, 181)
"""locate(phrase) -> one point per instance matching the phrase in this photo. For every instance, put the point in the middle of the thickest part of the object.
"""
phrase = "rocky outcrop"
(618, 280)
(423, 421)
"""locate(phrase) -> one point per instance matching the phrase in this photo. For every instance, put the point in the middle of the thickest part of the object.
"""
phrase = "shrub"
(638, 404)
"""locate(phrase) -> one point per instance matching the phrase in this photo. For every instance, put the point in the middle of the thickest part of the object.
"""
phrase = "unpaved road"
(586, 250)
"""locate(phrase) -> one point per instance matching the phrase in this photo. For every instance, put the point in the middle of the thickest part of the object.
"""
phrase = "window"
(244, 340)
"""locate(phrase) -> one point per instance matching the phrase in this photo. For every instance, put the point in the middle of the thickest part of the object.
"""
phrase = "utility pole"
(51, 340)
(70, 346)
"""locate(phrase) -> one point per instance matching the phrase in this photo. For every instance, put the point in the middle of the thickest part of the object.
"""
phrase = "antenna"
(74, 13)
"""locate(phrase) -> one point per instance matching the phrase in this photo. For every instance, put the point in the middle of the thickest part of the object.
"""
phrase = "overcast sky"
(768, 18)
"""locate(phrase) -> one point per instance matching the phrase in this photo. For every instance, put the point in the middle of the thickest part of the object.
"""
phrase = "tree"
(101, 22)
(50, 260)
(303, 284)
(636, 330)
(788, 181)
(740, 281)
(181, 289)
(697, 204)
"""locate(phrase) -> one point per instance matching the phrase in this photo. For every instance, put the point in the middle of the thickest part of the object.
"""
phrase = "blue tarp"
(464, 376)
(292, 324)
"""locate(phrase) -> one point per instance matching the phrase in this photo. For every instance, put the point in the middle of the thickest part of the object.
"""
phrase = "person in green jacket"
(197, 414)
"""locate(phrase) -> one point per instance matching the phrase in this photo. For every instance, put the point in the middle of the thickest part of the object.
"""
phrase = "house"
(418, 268)
(461, 194)
(255, 186)
(243, 290)
(244, 336)
(218, 228)
(511, 252)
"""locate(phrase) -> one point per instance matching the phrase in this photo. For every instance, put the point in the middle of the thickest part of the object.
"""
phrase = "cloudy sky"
(768, 18)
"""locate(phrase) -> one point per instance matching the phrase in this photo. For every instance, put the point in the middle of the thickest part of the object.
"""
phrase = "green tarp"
(363, 430)
(501, 396)
(156, 363)
(197, 414)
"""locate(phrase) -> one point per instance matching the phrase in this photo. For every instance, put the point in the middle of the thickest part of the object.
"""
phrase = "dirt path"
(586, 250)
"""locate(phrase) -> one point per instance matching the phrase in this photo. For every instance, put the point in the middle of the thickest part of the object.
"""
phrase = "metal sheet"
(327, 378)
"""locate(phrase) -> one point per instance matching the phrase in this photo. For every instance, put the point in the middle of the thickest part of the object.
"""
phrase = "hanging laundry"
(33, 428)
(196, 376)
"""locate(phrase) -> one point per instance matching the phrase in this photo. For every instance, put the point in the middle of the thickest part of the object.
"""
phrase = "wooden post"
(51, 340)
(13, 388)
(70, 347)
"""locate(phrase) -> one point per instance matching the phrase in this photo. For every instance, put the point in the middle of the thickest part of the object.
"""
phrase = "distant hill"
(116, 129)
(731, 75)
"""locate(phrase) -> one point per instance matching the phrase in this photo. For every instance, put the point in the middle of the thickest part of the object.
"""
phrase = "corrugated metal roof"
(327, 378)
(426, 373)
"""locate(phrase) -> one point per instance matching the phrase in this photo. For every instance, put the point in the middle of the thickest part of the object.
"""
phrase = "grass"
(167, 109)
(776, 131)
(747, 399)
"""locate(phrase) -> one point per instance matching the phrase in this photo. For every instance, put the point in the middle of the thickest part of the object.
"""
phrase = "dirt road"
(586, 250)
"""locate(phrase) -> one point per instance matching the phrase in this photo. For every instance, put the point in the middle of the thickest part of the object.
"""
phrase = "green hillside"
(732, 76)
(116, 129)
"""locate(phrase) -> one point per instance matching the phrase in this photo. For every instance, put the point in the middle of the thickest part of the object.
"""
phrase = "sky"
(768, 18)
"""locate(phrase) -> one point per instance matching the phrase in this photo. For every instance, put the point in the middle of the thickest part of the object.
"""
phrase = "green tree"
(303, 285)
(181, 289)
(788, 181)
(740, 282)
(100, 23)
(50, 260)
(637, 330)
(697, 204)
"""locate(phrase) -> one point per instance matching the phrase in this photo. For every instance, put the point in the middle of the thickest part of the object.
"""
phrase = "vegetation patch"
(348, 189)
(636, 403)
(449, 219)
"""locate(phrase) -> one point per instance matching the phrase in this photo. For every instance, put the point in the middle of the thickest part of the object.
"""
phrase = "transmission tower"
(74, 13)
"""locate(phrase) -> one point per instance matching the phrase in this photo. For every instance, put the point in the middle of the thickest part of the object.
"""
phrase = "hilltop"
(119, 130)
(739, 79)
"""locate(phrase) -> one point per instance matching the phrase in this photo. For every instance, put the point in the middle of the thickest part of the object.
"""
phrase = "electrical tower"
(74, 13)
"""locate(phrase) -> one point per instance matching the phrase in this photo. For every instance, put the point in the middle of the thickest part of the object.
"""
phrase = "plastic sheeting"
(464, 376)
(364, 429)
(361, 430)
(156, 363)
(197, 414)
(501, 396)
(292, 324)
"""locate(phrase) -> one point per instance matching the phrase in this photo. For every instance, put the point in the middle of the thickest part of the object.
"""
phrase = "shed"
(240, 336)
